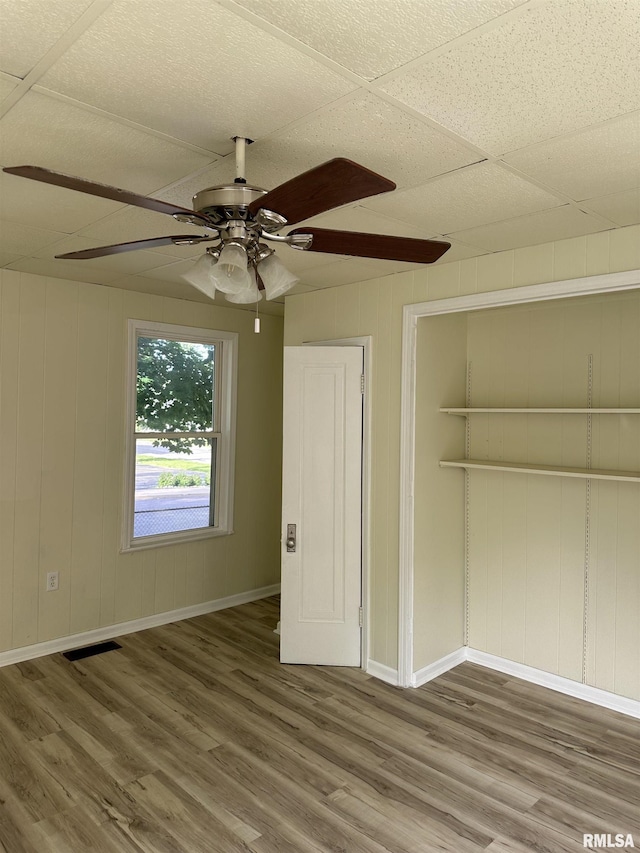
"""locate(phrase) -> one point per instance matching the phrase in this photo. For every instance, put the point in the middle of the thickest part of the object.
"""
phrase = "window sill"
(183, 537)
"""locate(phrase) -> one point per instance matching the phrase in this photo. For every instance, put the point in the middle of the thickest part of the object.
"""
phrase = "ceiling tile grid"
(473, 196)
(173, 67)
(373, 38)
(504, 123)
(7, 85)
(622, 208)
(44, 131)
(564, 65)
(596, 161)
(543, 227)
(30, 28)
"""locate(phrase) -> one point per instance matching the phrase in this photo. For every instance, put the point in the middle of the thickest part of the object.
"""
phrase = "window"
(180, 434)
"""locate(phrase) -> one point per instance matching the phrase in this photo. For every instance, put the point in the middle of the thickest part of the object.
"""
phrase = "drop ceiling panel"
(543, 227)
(123, 263)
(372, 38)
(142, 284)
(597, 161)
(69, 270)
(173, 271)
(135, 223)
(458, 251)
(170, 66)
(558, 67)
(29, 28)
(622, 208)
(7, 258)
(344, 272)
(359, 218)
(463, 199)
(359, 129)
(42, 205)
(45, 131)
(23, 239)
(298, 262)
(7, 85)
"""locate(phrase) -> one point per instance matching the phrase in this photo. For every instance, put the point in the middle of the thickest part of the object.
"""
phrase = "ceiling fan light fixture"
(201, 275)
(230, 274)
(248, 294)
(277, 279)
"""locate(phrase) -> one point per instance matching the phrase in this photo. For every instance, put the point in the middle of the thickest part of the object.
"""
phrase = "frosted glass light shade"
(276, 277)
(230, 274)
(200, 275)
(248, 294)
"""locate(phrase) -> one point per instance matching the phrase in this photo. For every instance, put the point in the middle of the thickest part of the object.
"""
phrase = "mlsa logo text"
(606, 840)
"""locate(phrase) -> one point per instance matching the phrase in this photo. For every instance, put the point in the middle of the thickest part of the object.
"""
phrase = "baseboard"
(85, 638)
(603, 698)
(384, 673)
(433, 670)
(630, 707)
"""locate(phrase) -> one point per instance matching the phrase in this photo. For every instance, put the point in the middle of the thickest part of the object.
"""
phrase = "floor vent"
(89, 651)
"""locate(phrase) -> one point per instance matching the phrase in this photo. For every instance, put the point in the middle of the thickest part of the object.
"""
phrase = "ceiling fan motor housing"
(224, 203)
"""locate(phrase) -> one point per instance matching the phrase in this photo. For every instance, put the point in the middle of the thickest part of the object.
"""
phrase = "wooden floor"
(193, 739)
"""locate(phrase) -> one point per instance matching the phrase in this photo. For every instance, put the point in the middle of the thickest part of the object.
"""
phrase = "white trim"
(226, 386)
(594, 284)
(622, 704)
(433, 670)
(85, 638)
(406, 509)
(609, 283)
(593, 695)
(382, 672)
(366, 342)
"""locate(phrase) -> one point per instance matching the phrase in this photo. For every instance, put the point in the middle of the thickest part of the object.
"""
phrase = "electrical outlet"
(52, 581)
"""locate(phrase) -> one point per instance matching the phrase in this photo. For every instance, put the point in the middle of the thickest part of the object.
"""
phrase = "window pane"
(173, 489)
(175, 386)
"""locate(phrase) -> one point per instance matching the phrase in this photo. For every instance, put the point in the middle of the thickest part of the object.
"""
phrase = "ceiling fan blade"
(37, 173)
(153, 243)
(322, 188)
(378, 246)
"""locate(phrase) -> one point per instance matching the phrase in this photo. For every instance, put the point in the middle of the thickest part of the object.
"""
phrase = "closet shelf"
(549, 470)
(539, 411)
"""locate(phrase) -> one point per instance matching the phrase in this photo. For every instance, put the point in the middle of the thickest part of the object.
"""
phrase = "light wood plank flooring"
(194, 739)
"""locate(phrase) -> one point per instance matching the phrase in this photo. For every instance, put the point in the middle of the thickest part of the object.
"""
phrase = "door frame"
(607, 283)
(366, 342)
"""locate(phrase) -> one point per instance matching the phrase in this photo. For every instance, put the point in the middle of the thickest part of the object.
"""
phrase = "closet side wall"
(554, 568)
(439, 524)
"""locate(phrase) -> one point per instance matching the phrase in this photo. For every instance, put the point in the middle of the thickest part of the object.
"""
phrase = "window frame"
(225, 405)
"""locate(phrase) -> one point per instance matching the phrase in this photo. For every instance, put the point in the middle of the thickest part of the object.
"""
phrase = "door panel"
(322, 473)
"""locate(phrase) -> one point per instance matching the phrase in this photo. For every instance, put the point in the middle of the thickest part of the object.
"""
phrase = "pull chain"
(256, 322)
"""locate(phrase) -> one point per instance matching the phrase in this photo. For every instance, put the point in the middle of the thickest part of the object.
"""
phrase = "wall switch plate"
(52, 581)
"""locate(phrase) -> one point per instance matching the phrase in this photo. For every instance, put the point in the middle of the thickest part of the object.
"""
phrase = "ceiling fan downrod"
(241, 145)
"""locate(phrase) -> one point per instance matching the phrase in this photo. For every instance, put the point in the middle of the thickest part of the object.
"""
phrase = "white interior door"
(322, 497)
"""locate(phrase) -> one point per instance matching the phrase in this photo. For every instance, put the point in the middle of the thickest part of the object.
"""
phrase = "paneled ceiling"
(504, 123)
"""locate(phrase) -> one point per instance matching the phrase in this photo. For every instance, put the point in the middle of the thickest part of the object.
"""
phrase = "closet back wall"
(541, 591)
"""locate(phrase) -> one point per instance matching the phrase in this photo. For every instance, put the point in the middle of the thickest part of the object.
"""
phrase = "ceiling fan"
(241, 217)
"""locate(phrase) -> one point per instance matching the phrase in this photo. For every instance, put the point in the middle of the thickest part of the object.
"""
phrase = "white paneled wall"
(62, 372)
(530, 559)
(375, 308)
